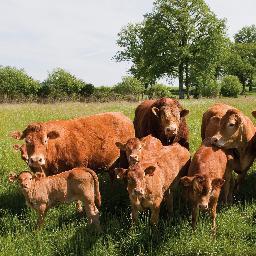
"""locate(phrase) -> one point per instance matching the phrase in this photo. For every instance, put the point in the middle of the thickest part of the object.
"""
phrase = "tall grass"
(66, 232)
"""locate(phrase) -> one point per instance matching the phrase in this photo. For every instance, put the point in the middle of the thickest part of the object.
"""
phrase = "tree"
(246, 35)
(61, 84)
(181, 39)
(15, 83)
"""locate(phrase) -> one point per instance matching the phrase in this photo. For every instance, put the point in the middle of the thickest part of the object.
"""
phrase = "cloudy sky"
(80, 35)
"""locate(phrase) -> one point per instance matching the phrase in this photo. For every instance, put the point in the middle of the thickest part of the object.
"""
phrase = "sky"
(80, 35)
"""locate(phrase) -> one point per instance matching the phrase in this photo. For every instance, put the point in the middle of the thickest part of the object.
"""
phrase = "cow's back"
(88, 141)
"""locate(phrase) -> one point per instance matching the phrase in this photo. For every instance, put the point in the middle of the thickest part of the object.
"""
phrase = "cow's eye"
(231, 125)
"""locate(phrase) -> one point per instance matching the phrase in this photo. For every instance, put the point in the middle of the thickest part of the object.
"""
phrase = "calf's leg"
(41, 211)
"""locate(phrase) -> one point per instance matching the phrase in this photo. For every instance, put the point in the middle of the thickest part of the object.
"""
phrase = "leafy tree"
(246, 35)
(181, 39)
(16, 83)
(158, 91)
(62, 84)
(230, 86)
(129, 86)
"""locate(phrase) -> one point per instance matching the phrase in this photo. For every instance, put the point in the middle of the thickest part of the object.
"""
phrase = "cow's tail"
(96, 187)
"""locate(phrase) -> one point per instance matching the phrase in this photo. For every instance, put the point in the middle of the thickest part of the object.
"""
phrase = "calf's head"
(132, 148)
(25, 179)
(169, 118)
(36, 137)
(135, 177)
(230, 130)
(201, 189)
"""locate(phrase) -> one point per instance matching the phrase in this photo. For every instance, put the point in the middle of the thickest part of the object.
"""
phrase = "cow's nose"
(214, 140)
(171, 129)
(203, 206)
(36, 160)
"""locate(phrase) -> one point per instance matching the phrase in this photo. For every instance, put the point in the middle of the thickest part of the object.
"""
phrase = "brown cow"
(57, 146)
(164, 119)
(42, 193)
(135, 149)
(236, 132)
(209, 168)
(154, 179)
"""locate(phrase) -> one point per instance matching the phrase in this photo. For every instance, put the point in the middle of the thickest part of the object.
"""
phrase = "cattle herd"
(151, 155)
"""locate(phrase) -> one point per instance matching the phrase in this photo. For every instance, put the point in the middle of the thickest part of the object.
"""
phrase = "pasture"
(65, 231)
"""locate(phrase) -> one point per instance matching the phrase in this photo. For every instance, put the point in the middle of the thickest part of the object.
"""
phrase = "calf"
(42, 193)
(135, 149)
(154, 179)
(209, 169)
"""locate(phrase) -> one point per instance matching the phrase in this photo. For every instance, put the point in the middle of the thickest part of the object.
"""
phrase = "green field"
(66, 232)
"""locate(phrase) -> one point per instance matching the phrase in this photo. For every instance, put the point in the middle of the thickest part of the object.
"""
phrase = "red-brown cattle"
(163, 119)
(154, 179)
(57, 146)
(209, 169)
(137, 149)
(229, 128)
(42, 193)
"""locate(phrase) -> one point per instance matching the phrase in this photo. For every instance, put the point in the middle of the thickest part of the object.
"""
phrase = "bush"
(129, 86)
(211, 89)
(16, 84)
(158, 91)
(60, 84)
(231, 86)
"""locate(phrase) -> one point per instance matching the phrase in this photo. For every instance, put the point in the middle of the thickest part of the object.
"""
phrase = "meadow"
(66, 232)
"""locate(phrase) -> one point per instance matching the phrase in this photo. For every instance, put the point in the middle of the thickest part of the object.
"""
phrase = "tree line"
(185, 40)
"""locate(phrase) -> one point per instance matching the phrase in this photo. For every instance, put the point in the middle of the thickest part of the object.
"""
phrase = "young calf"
(42, 193)
(210, 169)
(154, 179)
(136, 149)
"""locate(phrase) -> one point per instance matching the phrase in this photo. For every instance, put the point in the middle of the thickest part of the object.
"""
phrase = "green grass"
(66, 233)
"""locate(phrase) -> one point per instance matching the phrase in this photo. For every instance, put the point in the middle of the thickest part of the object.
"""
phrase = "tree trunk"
(181, 71)
(186, 80)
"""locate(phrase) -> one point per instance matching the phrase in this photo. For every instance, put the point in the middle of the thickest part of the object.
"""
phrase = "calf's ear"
(12, 177)
(186, 181)
(120, 146)
(120, 173)
(218, 182)
(184, 112)
(17, 135)
(39, 175)
(16, 147)
(254, 113)
(155, 111)
(53, 135)
(150, 170)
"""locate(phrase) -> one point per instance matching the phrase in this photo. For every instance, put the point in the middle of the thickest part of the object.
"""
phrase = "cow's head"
(169, 117)
(230, 130)
(36, 137)
(201, 189)
(135, 176)
(132, 148)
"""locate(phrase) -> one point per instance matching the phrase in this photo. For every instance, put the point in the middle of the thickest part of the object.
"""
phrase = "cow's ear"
(155, 111)
(120, 146)
(12, 177)
(150, 170)
(254, 113)
(186, 181)
(39, 175)
(120, 173)
(218, 182)
(184, 112)
(53, 135)
(17, 135)
(16, 147)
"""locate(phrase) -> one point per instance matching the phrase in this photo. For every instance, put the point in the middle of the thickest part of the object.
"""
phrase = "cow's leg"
(240, 180)
(92, 214)
(213, 209)
(41, 211)
(231, 189)
(134, 214)
(195, 212)
(155, 209)
(226, 186)
(169, 202)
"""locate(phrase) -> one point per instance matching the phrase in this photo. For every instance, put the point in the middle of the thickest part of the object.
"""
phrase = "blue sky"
(80, 35)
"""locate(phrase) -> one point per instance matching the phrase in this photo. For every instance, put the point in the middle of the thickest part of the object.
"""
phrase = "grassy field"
(66, 233)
